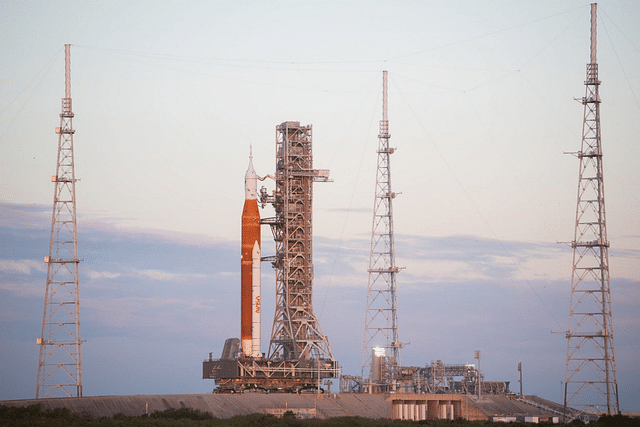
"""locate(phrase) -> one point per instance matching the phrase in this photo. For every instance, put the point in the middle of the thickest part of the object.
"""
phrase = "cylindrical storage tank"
(377, 364)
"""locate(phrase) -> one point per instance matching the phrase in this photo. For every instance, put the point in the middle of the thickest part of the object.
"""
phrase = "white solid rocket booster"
(255, 301)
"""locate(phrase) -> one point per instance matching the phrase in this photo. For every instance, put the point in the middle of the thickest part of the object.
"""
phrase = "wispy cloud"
(450, 259)
(97, 275)
(24, 216)
(157, 275)
(123, 273)
(22, 266)
(152, 315)
(437, 271)
(23, 288)
(23, 278)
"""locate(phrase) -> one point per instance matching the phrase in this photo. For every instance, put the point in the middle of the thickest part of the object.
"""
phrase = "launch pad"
(300, 355)
(247, 374)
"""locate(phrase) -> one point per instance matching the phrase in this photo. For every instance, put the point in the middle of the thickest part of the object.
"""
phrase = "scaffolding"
(435, 378)
(296, 333)
(591, 381)
(60, 362)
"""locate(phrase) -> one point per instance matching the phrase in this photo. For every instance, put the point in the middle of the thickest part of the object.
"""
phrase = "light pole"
(520, 370)
(476, 354)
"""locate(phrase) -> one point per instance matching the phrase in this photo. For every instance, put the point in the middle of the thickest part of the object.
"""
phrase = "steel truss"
(591, 381)
(60, 363)
(381, 319)
(280, 376)
(436, 378)
(455, 379)
(296, 333)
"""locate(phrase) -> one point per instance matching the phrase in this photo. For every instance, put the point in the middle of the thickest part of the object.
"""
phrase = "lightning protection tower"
(60, 366)
(381, 347)
(296, 333)
(590, 381)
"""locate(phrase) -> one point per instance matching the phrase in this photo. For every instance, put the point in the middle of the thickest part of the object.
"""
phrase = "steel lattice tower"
(60, 366)
(296, 333)
(590, 381)
(381, 319)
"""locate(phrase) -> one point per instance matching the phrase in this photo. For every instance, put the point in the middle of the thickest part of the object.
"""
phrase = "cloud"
(23, 278)
(624, 265)
(452, 259)
(96, 275)
(153, 274)
(456, 294)
(24, 288)
(24, 216)
(160, 315)
(157, 275)
(426, 271)
(23, 266)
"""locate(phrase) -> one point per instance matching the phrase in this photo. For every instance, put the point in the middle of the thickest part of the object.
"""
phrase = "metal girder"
(60, 362)
(590, 379)
(296, 333)
(381, 318)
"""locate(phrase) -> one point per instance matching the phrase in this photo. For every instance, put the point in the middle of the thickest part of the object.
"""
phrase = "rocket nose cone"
(251, 173)
(250, 181)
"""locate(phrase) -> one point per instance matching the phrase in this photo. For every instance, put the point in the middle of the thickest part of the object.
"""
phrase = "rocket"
(250, 266)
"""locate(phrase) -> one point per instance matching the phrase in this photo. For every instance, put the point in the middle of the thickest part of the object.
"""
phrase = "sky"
(168, 96)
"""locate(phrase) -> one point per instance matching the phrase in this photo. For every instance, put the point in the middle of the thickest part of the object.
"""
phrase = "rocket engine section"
(250, 267)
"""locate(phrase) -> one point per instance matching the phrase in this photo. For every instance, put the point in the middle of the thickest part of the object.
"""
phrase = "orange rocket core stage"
(250, 234)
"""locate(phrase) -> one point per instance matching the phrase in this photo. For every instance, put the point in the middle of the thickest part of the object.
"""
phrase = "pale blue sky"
(168, 96)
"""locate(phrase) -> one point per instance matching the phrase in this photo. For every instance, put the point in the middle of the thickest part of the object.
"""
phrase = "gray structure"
(60, 363)
(591, 381)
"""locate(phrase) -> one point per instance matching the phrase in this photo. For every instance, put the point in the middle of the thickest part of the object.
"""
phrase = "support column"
(422, 410)
(396, 409)
(432, 409)
(457, 409)
(442, 409)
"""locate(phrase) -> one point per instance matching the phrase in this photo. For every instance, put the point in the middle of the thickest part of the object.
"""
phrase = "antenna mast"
(591, 381)
(60, 366)
(381, 346)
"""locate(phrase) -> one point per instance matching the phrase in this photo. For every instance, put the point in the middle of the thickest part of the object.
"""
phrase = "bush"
(182, 413)
(617, 421)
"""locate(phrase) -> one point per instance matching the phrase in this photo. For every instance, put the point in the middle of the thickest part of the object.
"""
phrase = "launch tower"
(381, 347)
(296, 333)
(60, 366)
(299, 356)
(590, 381)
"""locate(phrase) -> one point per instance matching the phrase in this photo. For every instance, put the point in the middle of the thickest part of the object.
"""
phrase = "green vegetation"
(34, 415)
